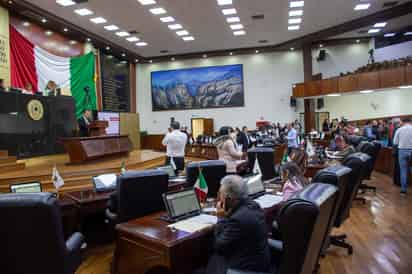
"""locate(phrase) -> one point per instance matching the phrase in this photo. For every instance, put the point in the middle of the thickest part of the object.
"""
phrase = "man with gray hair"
(240, 234)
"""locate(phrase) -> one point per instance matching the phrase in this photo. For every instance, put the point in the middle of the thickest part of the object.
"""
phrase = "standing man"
(240, 234)
(175, 143)
(403, 139)
(84, 123)
(396, 123)
(292, 138)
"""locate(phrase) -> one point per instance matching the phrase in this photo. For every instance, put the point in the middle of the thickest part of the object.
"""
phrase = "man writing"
(175, 143)
(84, 123)
(240, 234)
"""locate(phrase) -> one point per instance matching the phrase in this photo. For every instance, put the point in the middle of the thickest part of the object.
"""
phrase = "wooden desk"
(81, 149)
(69, 215)
(312, 169)
(148, 243)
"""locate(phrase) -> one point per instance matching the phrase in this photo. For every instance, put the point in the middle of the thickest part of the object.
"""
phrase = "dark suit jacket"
(241, 239)
(83, 129)
(243, 140)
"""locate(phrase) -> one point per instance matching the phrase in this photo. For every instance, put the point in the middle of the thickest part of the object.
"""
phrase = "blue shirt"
(292, 138)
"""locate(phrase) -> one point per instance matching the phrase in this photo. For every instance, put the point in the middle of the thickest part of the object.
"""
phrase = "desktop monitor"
(29, 187)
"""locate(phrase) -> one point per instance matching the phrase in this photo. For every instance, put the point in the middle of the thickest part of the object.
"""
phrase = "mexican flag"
(201, 187)
(34, 65)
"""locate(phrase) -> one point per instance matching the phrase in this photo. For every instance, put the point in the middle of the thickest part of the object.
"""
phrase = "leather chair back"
(358, 162)
(372, 149)
(213, 171)
(338, 176)
(140, 193)
(32, 234)
(355, 140)
(266, 159)
(303, 223)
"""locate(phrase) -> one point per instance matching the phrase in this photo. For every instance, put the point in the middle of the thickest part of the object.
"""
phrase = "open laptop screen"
(169, 170)
(182, 203)
(255, 185)
(32, 187)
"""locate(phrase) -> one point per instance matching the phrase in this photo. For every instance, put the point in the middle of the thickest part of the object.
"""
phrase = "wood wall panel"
(368, 80)
(348, 83)
(328, 86)
(153, 141)
(392, 77)
(299, 90)
(408, 75)
(129, 125)
(312, 88)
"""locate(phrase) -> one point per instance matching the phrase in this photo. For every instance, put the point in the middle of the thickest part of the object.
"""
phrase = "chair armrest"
(75, 242)
(275, 245)
(276, 235)
(112, 217)
(233, 271)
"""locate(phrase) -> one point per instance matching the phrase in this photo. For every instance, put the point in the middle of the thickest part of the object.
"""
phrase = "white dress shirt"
(403, 137)
(175, 143)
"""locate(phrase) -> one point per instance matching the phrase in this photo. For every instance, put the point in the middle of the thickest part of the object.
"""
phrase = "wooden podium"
(98, 128)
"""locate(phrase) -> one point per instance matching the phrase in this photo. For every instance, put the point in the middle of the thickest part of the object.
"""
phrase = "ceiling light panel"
(295, 21)
(224, 2)
(390, 34)
(141, 44)
(188, 38)
(295, 13)
(293, 27)
(157, 11)
(364, 6)
(147, 2)
(175, 26)
(233, 19)
(239, 33)
(236, 26)
(296, 4)
(182, 32)
(132, 39)
(98, 20)
(111, 27)
(380, 25)
(65, 3)
(122, 33)
(167, 19)
(374, 30)
(229, 11)
(83, 12)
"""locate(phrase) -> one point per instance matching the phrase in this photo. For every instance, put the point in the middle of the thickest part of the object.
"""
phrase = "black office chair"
(265, 156)
(303, 225)
(355, 140)
(213, 171)
(340, 177)
(138, 193)
(372, 149)
(32, 236)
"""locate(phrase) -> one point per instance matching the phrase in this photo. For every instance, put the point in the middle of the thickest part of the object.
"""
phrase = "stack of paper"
(196, 223)
(268, 200)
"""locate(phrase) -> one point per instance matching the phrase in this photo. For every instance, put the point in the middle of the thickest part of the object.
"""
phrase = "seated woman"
(293, 179)
(228, 150)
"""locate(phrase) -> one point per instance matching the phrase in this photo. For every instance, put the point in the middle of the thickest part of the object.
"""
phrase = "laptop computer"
(255, 186)
(28, 187)
(173, 178)
(105, 182)
(181, 205)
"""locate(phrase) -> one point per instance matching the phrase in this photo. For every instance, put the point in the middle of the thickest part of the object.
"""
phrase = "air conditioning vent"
(258, 16)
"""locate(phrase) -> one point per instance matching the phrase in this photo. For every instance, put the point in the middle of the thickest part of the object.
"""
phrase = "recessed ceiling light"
(132, 39)
(334, 95)
(48, 32)
(224, 2)
(256, 51)
(296, 4)
(188, 38)
(73, 42)
(123, 54)
(167, 19)
(182, 32)
(175, 26)
(403, 87)
(26, 24)
(107, 48)
(204, 55)
(141, 44)
(150, 61)
(10, 2)
(111, 27)
(157, 11)
(83, 12)
(147, 2)
(172, 59)
(236, 26)
(366, 91)
(380, 25)
(389, 34)
(362, 6)
(122, 33)
(321, 45)
(374, 30)
(44, 20)
(408, 33)
(98, 20)
(65, 29)
(230, 53)
(295, 21)
(293, 27)
(239, 32)
(229, 11)
(233, 19)
(357, 41)
(65, 3)
(292, 49)
(136, 60)
(88, 39)
(295, 13)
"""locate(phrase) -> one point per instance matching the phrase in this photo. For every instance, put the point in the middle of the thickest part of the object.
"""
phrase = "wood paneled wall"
(153, 141)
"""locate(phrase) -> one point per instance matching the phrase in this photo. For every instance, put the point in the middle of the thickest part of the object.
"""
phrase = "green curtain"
(82, 74)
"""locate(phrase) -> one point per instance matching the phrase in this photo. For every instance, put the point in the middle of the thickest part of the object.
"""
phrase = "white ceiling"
(205, 21)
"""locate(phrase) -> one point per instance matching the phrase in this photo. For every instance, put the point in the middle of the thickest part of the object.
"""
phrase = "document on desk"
(196, 223)
(268, 200)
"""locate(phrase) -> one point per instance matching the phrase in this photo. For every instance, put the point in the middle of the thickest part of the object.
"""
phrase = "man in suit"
(84, 123)
(243, 139)
(240, 234)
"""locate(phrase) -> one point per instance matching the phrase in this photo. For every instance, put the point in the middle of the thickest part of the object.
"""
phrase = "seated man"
(342, 149)
(240, 235)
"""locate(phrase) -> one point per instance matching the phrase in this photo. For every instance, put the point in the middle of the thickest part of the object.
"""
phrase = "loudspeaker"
(292, 102)
(321, 55)
(321, 103)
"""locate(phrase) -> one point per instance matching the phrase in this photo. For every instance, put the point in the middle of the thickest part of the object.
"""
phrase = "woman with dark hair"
(293, 179)
(227, 149)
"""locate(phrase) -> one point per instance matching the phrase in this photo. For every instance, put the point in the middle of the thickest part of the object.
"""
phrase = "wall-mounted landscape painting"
(194, 88)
